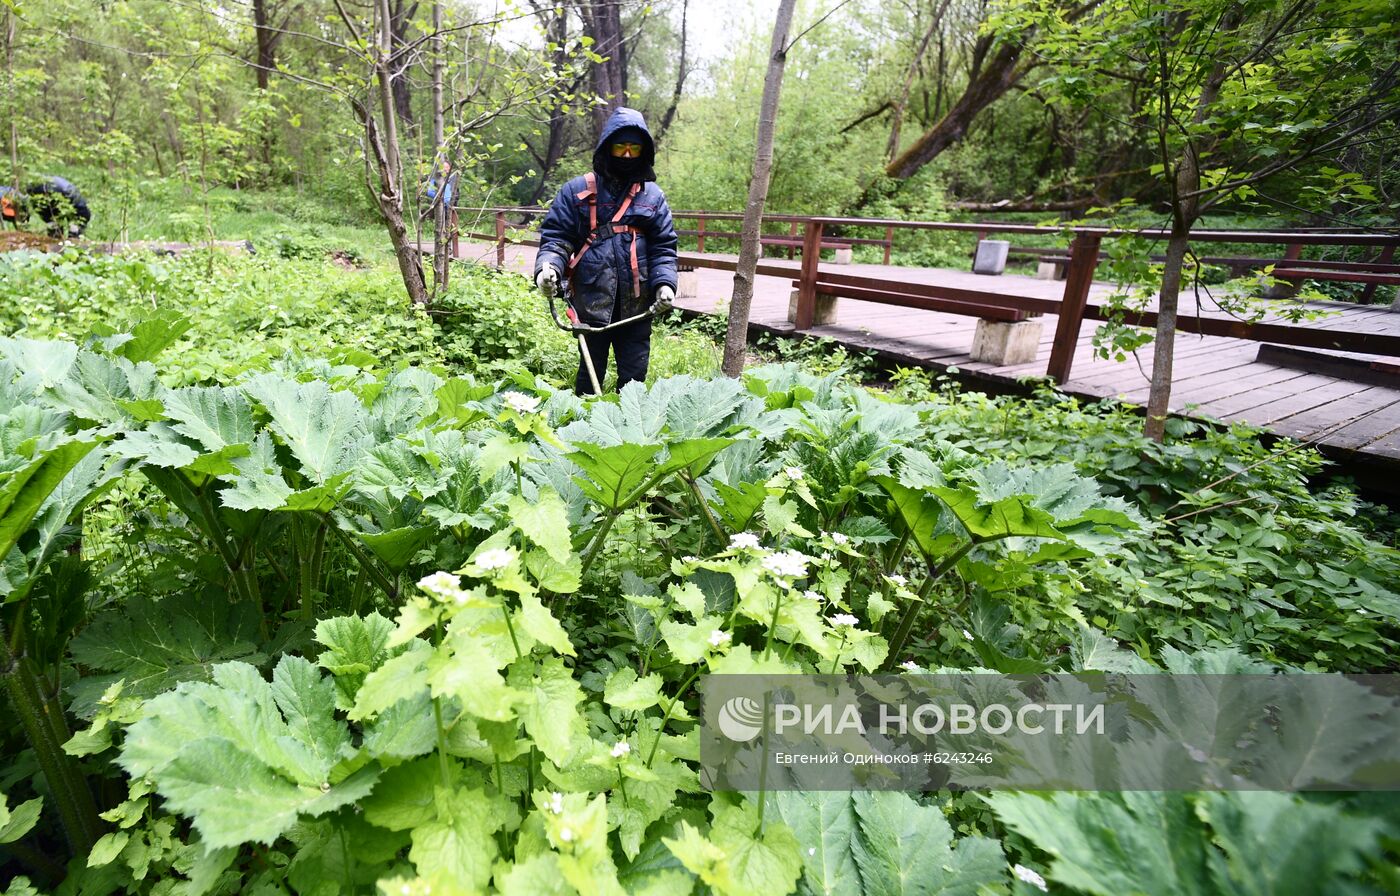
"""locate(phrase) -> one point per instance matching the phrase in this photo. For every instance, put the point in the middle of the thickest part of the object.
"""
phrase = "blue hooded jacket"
(602, 282)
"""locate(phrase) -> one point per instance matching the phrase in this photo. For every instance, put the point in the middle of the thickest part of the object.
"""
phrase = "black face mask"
(623, 167)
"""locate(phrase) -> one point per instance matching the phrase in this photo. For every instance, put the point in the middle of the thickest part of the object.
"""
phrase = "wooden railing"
(1082, 260)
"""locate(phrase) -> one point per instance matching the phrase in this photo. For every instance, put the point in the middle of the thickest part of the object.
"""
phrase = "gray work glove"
(665, 298)
(547, 280)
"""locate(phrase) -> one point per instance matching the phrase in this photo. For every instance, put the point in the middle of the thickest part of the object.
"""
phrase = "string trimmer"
(581, 330)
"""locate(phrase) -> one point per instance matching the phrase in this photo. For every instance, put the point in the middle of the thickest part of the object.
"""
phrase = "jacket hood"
(624, 117)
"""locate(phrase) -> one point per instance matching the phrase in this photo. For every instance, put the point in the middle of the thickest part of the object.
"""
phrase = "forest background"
(934, 109)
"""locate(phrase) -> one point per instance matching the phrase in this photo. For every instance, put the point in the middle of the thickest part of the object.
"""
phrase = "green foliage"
(1169, 843)
(284, 709)
(242, 313)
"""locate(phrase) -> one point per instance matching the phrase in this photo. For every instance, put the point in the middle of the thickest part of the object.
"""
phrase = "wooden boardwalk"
(1215, 377)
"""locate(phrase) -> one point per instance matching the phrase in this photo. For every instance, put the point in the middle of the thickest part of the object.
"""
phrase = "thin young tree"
(740, 302)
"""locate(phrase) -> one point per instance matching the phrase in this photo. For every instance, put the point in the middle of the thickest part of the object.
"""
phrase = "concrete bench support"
(1003, 343)
(843, 255)
(826, 309)
(688, 284)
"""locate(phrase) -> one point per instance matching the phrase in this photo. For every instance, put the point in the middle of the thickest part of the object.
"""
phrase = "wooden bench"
(1005, 333)
(931, 297)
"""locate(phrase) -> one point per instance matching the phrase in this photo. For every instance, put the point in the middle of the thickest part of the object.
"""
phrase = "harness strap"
(590, 192)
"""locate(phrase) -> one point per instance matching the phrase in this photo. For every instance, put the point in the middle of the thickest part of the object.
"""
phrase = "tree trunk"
(897, 116)
(1164, 346)
(1186, 207)
(682, 71)
(400, 16)
(383, 160)
(266, 38)
(442, 210)
(12, 113)
(556, 24)
(736, 339)
(603, 22)
(993, 79)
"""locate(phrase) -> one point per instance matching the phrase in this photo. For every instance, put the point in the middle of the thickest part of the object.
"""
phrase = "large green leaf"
(1013, 516)
(824, 823)
(551, 710)
(244, 759)
(545, 521)
(397, 547)
(259, 483)
(1110, 844)
(614, 472)
(692, 455)
(15, 823)
(325, 429)
(905, 849)
(739, 856)
(928, 522)
(109, 390)
(153, 334)
(213, 417)
(41, 363)
(884, 844)
(455, 853)
(26, 485)
(155, 645)
(1274, 843)
(51, 531)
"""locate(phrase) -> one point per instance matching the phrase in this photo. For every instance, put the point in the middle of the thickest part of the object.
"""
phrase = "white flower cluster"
(840, 538)
(495, 558)
(897, 579)
(444, 586)
(813, 595)
(909, 666)
(744, 540)
(844, 619)
(1030, 877)
(522, 403)
(621, 749)
(787, 564)
(793, 473)
(719, 638)
(556, 803)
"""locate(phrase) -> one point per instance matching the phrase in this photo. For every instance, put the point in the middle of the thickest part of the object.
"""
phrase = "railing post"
(1370, 291)
(1083, 259)
(500, 240)
(700, 234)
(807, 279)
(889, 242)
(792, 232)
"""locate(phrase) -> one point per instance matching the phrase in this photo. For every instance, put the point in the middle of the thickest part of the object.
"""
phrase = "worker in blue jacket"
(60, 205)
(609, 239)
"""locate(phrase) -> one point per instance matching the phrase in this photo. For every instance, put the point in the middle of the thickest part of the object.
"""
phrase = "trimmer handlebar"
(577, 327)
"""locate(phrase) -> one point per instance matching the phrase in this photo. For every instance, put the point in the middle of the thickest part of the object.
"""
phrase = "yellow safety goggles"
(626, 150)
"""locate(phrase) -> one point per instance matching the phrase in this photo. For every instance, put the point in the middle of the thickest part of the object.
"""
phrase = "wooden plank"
(947, 306)
(1316, 337)
(1369, 429)
(1315, 420)
(827, 280)
(1285, 396)
(1267, 413)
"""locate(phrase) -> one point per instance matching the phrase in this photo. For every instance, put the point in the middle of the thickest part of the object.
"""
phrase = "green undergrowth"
(306, 591)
